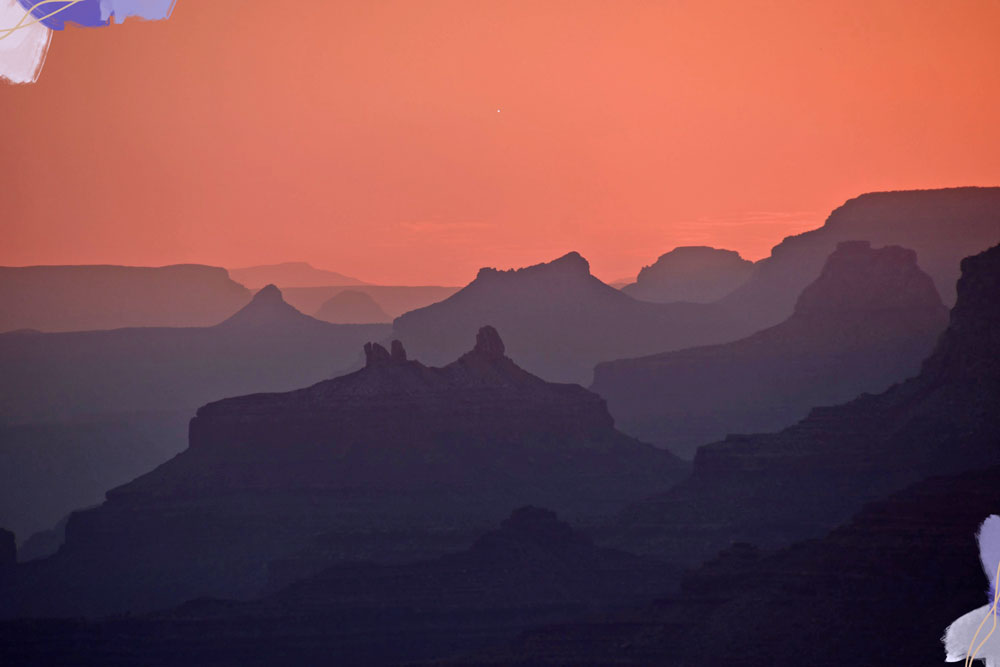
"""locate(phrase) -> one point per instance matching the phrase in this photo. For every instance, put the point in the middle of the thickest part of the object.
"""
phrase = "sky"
(413, 142)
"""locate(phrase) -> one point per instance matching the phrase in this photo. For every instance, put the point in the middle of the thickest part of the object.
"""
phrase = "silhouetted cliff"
(868, 321)
(398, 450)
(698, 274)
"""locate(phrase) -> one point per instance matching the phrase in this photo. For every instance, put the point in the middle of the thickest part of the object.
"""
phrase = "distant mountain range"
(85, 411)
(690, 273)
(397, 450)
(866, 322)
(289, 274)
(773, 489)
(561, 321)
(942, 226)
(79, 298)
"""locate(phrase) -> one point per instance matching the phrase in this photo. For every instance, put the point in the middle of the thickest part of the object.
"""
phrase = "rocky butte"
(397, 454)
(866, 322)
(698, 274)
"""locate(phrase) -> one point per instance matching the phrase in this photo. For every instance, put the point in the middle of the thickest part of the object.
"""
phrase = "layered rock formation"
(351, 307)
(398, 450)
(774, 489)
(886, 583)
(942, 226)
(86, 411)
(698, 274)
(79, 298)
(868, 321)
(534, 569)
(559, 320)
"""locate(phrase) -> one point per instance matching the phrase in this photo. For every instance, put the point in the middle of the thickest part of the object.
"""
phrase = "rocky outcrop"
(866, 322)
(559, 320)
(398, 450)
(351, 307)
(698, 274)
(774, 489)
(79, 298)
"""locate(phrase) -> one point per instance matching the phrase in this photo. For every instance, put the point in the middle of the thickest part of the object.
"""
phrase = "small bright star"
(498, 110)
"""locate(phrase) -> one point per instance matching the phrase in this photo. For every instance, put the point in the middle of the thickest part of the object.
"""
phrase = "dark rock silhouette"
(289, 274)
(942, 226)
(559, 320)
(866, 322)
(699, 274)
(86, 411)
(894, 576)
(777, 488)
(534, 569)
(351, 307)
(78, 298)
(399, 450)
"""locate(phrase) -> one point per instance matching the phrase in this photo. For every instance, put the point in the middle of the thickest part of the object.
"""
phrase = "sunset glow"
(413, 142)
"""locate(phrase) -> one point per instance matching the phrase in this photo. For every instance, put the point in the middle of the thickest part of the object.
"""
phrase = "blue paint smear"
(97, 13)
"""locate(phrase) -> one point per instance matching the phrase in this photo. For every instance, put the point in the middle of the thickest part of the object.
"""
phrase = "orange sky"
(364, 136)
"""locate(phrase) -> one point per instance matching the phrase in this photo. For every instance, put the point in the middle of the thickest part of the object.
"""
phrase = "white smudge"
(22, 52)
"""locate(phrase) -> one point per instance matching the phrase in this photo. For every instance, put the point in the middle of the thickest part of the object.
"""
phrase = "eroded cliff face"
(398, 453)
(777, 488)
(868, 321)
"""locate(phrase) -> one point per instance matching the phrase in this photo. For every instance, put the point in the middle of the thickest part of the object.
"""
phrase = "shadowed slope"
(777, 488)
(868, 321)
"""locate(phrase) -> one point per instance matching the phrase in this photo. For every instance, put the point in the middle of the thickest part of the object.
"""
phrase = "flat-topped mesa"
(387, 413)
(859, 279)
